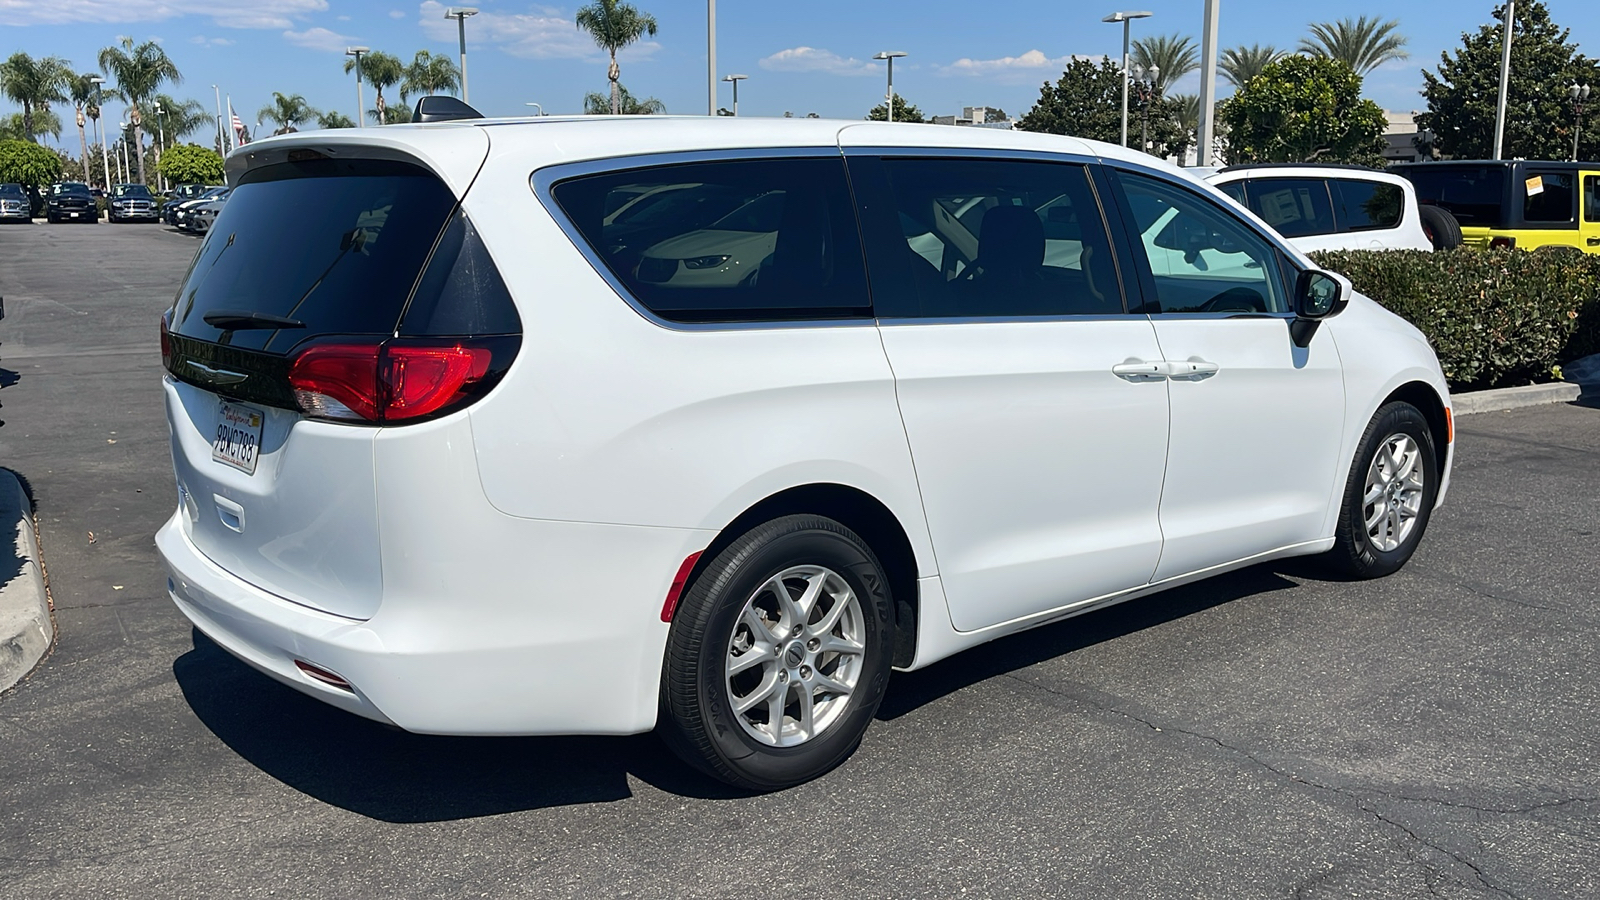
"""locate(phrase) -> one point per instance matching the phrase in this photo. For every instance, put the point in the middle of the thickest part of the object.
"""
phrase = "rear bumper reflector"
(317, 673)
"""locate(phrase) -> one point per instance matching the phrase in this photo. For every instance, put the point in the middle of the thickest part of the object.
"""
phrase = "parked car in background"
(449, 457)
(131, 203)
(180, 195)
(70, 201)
(180, 213)
(14, 204)
(196, 216)
(1337, 207)
(1514, 202)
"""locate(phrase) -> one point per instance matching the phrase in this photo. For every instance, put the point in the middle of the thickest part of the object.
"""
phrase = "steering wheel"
(1237, 299)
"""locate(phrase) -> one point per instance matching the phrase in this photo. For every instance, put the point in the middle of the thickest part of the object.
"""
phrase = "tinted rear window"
(734, 241)
(1473, 194)
(1366, 205)
(1549, 197)
(336, 244)
(1296, 207)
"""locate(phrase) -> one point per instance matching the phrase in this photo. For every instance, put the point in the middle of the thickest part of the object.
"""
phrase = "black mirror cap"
(443, 109)
(1318, 294)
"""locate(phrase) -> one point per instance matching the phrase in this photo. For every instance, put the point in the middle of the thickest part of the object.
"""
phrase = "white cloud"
(1016, 69)
(342, 18)
(811, 59)
(204, 41)
(319, 39)
(397, 14)
(225, 13)
(541, 33)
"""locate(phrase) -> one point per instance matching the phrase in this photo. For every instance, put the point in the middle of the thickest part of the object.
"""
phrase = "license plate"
(74, 215)
(238, 438)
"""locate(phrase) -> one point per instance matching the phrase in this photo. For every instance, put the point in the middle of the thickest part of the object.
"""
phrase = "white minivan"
(465, 443)
(1338, 207)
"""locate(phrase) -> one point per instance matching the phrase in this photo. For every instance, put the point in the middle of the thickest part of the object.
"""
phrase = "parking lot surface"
(1262, 734)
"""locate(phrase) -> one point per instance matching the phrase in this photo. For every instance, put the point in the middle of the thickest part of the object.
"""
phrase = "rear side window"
(1548, 197)
(1473, 194)
(1295, 207)
(1367, 205)
(1591, 198)
(334, 244)
(728, 241)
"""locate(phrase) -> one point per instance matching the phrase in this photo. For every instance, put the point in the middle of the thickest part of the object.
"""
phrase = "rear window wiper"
(244, 319)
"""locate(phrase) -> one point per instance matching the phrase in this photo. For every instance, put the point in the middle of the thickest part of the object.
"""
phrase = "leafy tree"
(1241, 64)
(903, 111)
(181, 117)
(15, 126)
(1187, 109)
(1362, 44)
(390, 115)
(191, 164)
(381, 70)
(1303, 109)
(24, 162)
(288, 113)
(331, 119)
(139, 71)
(614, 25)
(1087, 103)
(1463, 95)
(620, 103)
(996, 114)
(429, 74)
(34, 84)
(1174, 55)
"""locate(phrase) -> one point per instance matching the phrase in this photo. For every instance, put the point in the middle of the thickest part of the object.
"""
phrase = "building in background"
(980, 116)
(1399, 138)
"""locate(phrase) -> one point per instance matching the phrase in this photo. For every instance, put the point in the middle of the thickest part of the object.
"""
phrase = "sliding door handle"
(1139, 370)
(1192, 369)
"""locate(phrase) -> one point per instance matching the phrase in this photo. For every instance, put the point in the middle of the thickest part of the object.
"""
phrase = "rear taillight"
(166, 339)
(1503, 243)
(396, 380)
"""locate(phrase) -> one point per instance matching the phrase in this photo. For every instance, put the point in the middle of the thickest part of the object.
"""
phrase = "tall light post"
(1126, 18)
(538, 110)
(1146, 80)
(1207, 131)
(122, 141)
(1505, 81)
(361, 105)
(461, 14)
(711, 57)
(735, 79)
(161, 143)
(222, 144)
(1580, 95)
(99, 121)
(891, 56)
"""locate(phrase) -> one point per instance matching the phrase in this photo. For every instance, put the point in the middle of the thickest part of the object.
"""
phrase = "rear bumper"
(544, 628)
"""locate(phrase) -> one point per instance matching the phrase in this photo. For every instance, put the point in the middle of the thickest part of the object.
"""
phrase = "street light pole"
(1147, 94)
(105, 158)
(122, 141)
(1579, 94)
(161, 141)
(460, 14)
(890, 56)
(361, 105)
(735, 79)
(1505, 81)
(1207, 130)
(539, 110)
(1126, 18)
(222, 145)
(711, 57)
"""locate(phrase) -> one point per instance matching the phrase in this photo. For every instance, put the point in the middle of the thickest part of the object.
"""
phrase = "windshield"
(13, 189)
(70, 187)
(334, 244)
(131, 190)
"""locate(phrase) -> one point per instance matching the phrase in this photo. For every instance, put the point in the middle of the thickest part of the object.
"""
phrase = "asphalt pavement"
(1263, 734)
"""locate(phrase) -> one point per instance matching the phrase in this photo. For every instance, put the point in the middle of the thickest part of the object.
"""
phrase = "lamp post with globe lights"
(1580, 95)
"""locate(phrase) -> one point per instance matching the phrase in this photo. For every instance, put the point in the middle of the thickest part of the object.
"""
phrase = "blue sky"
(801, 57)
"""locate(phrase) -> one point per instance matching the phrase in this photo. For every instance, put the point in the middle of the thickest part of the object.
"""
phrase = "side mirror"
(1317, 295)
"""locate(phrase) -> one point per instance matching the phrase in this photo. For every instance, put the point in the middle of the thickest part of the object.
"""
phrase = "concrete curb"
(25, 626)
(1513, 398)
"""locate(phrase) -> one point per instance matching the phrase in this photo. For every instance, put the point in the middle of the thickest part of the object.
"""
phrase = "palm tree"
(614, 25)
(1362, 44)
(85, 94)
(287, 112)
(620, 103)
(380, 70)
(34, 84)
(15, 128)
(331, 119)
(181, 117)
(429, 74)
(1241, 64)
(390, 115)
(1174, 55)
(139, 70)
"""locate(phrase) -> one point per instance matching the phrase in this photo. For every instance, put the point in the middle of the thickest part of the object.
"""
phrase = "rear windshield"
(1473, 194)
(335, 244)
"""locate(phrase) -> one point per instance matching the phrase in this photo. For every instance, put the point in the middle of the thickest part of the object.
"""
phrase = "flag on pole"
(238, 126)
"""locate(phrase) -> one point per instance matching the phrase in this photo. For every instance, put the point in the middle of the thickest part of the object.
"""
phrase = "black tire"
(698, 720)
(1355, 553)
(1441, 227)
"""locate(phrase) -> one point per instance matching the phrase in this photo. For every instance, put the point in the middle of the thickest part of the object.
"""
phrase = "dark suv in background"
(70, 201)
(131, 203)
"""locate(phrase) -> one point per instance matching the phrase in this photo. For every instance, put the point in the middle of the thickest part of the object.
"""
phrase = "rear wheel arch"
(862, 513)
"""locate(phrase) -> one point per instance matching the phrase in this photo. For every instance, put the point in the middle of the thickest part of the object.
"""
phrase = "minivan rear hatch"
(345, 258)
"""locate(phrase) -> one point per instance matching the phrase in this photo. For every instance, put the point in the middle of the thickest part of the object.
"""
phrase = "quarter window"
(1367, 205)
(1591, 198)
(1200, 258)
(730, 241)
(1295, 207)
(986, 238)
(1548, 197)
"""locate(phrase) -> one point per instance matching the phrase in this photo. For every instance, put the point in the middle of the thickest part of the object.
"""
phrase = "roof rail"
(443, 109)
(1295, 165)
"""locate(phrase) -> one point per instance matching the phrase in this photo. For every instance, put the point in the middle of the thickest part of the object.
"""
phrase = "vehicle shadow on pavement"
(395, 776)
(909, 691)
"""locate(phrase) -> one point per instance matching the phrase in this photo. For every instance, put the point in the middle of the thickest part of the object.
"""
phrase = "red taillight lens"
(166, 339)
(392, 381)
(1503, 243)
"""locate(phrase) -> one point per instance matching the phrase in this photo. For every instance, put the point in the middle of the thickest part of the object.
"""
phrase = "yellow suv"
(1515, 202)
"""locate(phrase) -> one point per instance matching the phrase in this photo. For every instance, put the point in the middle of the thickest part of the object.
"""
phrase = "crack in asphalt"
(1479, 588)
(1361, 803)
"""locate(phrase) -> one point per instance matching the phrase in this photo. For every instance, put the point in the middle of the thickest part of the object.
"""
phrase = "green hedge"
(1496, 318)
